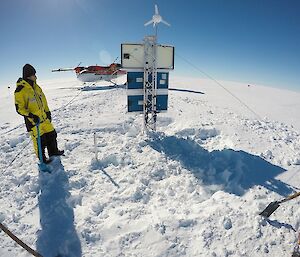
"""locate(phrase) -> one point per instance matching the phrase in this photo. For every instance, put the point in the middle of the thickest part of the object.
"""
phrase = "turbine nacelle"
(156, 19)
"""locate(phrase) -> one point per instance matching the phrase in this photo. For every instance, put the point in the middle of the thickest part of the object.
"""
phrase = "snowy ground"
(194, 188)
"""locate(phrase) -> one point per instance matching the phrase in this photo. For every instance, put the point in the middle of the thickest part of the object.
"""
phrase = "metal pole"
(42, 165)
(150, 83)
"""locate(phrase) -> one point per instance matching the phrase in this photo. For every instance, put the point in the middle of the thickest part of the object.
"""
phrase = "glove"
(49, 116)
(35, 118)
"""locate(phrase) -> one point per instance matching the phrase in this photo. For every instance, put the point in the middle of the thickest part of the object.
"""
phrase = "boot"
(43, 146)
(52, 145)
(58, 153)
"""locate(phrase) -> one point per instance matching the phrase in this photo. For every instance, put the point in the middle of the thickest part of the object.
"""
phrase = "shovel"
(42, 166)
(274, 205)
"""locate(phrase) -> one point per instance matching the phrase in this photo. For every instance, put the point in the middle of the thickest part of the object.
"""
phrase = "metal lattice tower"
(150, 83)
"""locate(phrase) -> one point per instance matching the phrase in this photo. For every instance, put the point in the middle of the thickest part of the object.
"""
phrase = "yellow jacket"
(31, 99)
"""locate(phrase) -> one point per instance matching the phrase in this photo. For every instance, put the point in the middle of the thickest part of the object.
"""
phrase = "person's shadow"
(233, 171)
(57, 237)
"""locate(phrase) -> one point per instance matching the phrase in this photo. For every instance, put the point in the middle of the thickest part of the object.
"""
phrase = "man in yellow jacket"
(31, 103)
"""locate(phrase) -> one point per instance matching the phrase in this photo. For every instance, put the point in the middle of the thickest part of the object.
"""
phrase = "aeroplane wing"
(63, 69)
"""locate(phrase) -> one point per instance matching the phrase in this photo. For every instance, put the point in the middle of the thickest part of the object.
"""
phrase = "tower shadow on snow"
(57, 237)
(234, 171)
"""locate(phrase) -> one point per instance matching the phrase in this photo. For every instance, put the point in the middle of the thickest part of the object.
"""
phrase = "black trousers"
(49, 141)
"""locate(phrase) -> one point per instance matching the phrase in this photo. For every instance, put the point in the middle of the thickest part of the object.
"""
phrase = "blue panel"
(162, 102)
(132, 103)
(135, 80)
(162, 79)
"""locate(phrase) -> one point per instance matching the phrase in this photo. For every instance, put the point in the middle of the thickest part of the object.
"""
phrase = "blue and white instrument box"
(135, 91)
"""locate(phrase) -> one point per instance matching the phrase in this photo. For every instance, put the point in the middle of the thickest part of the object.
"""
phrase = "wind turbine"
(156, 19)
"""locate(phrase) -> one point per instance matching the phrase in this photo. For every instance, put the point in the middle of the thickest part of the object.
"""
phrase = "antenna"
(148, 86)
(156, 19)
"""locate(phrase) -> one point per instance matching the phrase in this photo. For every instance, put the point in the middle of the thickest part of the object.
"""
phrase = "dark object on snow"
(296, 253)
(270, 209)
(274, 205)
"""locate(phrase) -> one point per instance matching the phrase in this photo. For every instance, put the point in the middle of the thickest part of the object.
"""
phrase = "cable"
(64, 106)
(19, 126)
(217, 82)
(15, 157)
(239, 100)
(19, 241)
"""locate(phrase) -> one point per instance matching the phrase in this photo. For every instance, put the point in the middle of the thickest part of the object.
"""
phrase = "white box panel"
(165, 57)
(132, 56)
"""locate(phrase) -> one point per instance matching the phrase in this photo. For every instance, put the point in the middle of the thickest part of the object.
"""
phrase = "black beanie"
(28, 71)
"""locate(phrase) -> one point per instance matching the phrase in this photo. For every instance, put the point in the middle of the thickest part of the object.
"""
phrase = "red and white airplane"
(92, 74)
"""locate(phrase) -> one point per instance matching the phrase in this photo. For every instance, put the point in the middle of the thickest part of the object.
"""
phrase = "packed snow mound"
(193, 188)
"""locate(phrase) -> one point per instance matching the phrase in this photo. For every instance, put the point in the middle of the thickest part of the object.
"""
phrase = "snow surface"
(193, 188)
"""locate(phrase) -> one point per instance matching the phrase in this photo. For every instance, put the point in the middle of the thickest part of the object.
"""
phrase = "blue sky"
(252, 41)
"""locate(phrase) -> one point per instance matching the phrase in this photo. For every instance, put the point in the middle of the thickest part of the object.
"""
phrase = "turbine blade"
(156, 9)
(164, 22)
(148, 23)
